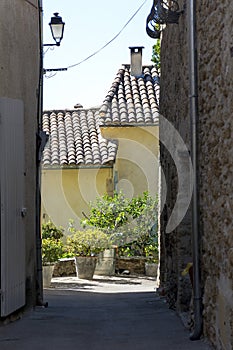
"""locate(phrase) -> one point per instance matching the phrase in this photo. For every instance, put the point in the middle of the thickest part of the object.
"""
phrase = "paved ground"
(106, 313)
(106, 284)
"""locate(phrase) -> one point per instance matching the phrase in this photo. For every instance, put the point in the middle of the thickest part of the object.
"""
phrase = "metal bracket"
(162, 12)
(54, 70)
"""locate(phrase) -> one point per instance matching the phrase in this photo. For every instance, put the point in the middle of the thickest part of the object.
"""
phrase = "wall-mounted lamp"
(162, 12)
(57, 29)
(167, 11)
(152, 27)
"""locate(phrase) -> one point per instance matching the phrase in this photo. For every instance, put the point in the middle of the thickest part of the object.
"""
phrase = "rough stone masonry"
(215, 164)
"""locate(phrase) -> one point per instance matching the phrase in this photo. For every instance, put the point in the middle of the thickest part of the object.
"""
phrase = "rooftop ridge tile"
(131, 99)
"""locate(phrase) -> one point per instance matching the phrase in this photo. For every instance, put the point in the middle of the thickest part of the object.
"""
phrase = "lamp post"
(57, 29)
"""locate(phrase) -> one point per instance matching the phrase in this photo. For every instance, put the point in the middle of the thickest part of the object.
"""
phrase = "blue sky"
(89, 25)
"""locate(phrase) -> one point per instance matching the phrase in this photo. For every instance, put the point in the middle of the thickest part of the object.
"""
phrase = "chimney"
(136, 60)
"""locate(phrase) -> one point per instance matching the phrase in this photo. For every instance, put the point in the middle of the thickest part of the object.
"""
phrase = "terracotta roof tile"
(75, 139)
(132, 100)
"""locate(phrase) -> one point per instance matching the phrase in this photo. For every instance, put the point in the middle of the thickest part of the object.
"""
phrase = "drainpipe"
(193, 101)
(39, 277)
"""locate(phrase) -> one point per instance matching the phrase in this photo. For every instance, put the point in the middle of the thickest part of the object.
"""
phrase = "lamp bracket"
(57, 44)
(162, 12)
(54, 70)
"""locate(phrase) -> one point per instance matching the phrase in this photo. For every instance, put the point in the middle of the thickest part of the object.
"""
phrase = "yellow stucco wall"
(66, 193)
(137, 162)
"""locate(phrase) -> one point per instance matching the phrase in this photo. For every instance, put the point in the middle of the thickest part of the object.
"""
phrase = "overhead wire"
(110, 41)
(105, 45)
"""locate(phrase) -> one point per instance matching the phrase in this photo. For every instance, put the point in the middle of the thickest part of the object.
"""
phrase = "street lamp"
(162, 12)
(57, 29)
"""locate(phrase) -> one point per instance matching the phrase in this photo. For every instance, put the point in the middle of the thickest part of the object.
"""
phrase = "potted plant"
(85, 246)
(152, 259)
(52, 249)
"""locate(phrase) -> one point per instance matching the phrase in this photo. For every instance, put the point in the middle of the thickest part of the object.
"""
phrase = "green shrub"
(89, 242)
(140, 232)
(130, 223)
(156, 54)
(52, 250)
(52, 245)
(108, 212)
(49, 230)
(152, 253)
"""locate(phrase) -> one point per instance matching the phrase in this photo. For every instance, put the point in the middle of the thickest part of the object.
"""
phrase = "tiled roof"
(75, 139)
(132, 100)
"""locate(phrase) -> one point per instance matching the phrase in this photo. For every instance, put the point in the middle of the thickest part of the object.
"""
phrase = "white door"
(12, 250)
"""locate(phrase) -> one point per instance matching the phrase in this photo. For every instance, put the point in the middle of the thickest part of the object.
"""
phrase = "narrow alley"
(118, 313)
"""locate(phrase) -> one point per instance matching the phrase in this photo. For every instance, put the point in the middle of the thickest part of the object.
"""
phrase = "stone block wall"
(215, 158)
(134, 265)
(176, 245)
(65, 267)
(215, 42)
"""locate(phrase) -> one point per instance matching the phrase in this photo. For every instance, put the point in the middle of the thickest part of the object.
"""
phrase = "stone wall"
(215, 23)
(65, 267)
(131, 266)
(134, 265)
(176, 245)
(215, 154)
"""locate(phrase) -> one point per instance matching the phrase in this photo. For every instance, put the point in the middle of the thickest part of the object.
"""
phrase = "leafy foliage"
(131, 224)
(52, 250)
(108, 212)
(142, 231)
(52, 245)
(156, 54)
(152, 252)
(49, 230)
(89, 242)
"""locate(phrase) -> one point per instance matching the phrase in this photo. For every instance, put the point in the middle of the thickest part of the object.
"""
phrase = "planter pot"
(151, 269)
(106, 263)
(85, 266)
(47, 275)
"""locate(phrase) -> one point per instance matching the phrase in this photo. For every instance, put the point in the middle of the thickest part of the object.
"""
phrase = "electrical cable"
(109, 42)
